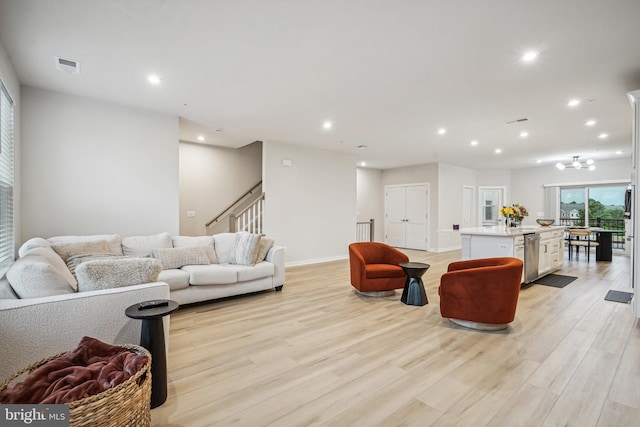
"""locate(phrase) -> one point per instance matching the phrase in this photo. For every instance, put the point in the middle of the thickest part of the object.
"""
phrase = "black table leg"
(152, 338)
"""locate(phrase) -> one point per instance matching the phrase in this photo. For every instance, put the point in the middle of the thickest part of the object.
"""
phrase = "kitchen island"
(541, 249)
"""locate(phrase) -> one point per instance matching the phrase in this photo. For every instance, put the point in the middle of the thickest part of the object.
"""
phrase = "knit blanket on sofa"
(91, 368)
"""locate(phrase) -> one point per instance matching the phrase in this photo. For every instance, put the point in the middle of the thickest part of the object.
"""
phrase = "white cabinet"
(551, 251)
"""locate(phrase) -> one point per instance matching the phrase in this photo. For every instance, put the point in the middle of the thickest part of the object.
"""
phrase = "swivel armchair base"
(479, 326)
(376, 294)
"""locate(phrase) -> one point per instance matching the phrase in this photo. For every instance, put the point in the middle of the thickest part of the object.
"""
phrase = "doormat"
(619, 296)
(555, 280)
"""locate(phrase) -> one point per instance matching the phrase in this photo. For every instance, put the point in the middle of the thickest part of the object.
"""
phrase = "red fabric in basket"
(91, 368)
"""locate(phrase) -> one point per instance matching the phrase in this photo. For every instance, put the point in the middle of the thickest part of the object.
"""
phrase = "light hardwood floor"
(319, 354)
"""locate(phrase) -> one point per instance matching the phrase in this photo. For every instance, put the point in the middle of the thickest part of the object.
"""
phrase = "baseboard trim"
(315, 261)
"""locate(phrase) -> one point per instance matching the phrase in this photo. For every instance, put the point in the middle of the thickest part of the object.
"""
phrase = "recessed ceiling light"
(603, 136)
(529, 56)
(154, 79)
(362, 164)
(590, 122)
(538, 161)
(573, 103)
(442, 131)
(524, 134)
(327, 125)
(474, 142)
(618, 152)
(498, 150)
(200, 137)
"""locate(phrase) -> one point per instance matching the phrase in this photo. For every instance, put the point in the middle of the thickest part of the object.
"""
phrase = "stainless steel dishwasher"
(531, 256)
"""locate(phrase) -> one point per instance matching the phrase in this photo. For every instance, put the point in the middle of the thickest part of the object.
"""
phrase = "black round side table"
(413, 292)
(152, 338)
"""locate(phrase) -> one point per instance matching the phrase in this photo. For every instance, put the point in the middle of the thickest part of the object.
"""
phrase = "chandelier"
(577, 164)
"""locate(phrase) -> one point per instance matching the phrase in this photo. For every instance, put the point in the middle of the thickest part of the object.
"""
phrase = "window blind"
(6, 180)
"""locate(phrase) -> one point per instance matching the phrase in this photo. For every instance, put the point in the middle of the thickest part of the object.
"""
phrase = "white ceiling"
(387, 73)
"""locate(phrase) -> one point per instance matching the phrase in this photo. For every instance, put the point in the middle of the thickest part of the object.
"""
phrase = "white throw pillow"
(245, 249)
(141, 246)
(114, 240)
(116, 273)
(67, 250)
(179, 257)
(190, 241)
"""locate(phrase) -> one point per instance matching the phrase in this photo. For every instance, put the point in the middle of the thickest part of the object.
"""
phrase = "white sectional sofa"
(63, 288)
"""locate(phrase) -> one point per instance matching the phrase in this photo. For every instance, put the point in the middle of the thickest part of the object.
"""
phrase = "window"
(595, 206)
(6, 180)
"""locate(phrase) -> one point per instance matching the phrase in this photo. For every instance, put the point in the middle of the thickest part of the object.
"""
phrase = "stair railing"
(233, 205)
(249, 219)
(364, 231)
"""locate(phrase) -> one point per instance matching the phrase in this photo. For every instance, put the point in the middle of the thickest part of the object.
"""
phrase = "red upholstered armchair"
(481, 293)
(374, 268)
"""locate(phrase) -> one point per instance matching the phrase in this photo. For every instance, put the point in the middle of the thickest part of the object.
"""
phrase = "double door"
(406, 215)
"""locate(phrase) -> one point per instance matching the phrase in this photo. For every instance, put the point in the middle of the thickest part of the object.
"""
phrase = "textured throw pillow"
(74, 261)
(179, 257)
(188, 241)
(246, 249)
(113, 240)
(266, 243)
(116, 273)
(34, 242)
(67, 250)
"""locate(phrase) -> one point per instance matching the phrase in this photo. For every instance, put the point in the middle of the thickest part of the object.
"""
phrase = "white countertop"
(503, 231)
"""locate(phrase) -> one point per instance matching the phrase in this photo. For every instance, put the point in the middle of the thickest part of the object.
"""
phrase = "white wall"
(10, 80)
(211, 178)
(370, 204)
(452, 180)
(94, 167)
(310, 207)
(527, 185)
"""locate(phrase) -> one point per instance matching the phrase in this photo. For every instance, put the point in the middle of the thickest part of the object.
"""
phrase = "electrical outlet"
(191, 214)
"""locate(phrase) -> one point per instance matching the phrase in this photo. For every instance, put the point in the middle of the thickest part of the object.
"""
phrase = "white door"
(395, 200)
(416, 215)
(406, 215)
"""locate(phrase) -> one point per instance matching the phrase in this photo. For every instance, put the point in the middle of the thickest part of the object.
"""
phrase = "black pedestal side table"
(413, 292)
(152, 338)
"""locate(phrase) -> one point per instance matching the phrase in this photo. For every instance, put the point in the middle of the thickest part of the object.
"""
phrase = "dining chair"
(581, 238)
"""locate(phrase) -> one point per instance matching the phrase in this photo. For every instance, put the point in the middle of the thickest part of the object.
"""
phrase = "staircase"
(245, 214)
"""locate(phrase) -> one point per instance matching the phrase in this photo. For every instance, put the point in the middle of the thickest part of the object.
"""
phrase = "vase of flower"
(514, 214)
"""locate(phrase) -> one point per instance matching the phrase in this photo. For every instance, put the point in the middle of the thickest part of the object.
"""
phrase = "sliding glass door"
(595, 206)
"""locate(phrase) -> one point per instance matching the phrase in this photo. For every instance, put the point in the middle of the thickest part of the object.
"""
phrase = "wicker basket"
(127, 404)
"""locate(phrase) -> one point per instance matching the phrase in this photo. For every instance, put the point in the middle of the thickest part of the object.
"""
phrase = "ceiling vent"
(68, 65)
(524, 119)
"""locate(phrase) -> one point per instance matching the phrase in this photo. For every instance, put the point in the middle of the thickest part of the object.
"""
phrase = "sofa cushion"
(175, 278)
(57, 263)
(224, 244)
(116, 273)
(113, 240)
(35, 242)
(178, 257)
(258, 271)
(33, 276)
(245, 249)
(6, 291)
(67, 250)
(266, 243)
(189, 241)
(212, 274)
(141, 246)
(376, 271)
